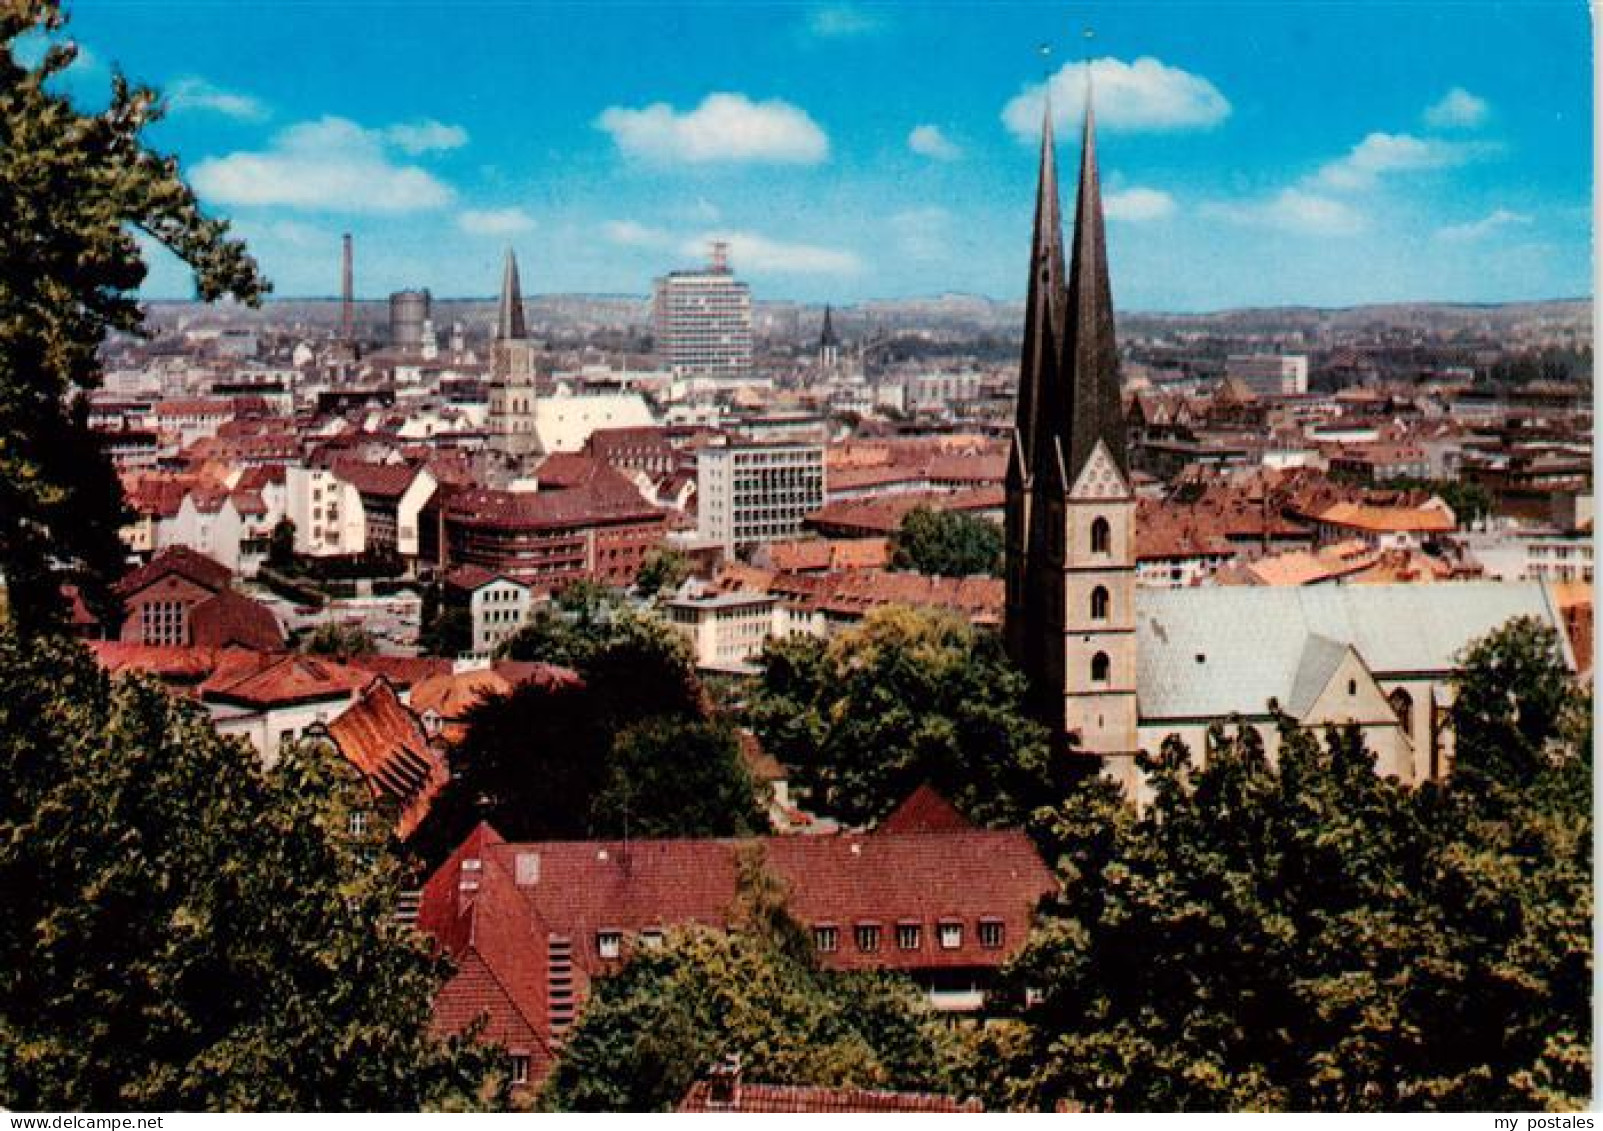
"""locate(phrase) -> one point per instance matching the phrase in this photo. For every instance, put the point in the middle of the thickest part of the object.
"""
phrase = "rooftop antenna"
(720, 256)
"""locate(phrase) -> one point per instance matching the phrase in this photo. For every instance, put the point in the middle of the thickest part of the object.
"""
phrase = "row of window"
(909, 936)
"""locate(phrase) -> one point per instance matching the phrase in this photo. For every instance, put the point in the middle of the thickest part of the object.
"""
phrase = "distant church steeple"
(828, 345)
(1070, 506)
(509, 324)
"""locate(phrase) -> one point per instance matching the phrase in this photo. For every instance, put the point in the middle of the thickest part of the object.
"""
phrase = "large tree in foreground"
(648, 1032)
(76, 189)
(185, 932)
(1305, 934)
(907, 697)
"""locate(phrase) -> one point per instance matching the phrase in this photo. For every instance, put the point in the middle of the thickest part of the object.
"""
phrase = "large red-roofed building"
(530, 926)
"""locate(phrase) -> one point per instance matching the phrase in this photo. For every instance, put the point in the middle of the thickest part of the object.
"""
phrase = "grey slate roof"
(1258, 643)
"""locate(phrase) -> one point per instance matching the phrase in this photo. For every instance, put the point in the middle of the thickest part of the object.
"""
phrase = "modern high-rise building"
(752, 493)
(703, 321)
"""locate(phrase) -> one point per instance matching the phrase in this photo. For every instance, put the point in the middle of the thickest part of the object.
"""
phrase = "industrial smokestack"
(347, 294)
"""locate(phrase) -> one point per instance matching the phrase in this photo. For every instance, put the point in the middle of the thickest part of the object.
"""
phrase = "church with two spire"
(1115, 669)
(1070, 531)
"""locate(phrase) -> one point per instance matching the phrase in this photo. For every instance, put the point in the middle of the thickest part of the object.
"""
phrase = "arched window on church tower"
(1100, 536)
(1403, 704)
(1099, 603)
(1099, 668)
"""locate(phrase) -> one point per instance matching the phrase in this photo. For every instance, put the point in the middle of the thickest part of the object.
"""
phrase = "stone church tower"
(1070, 533)
(510, 423)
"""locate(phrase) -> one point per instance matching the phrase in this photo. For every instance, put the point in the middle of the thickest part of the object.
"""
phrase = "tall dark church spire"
(1090, 359)
(1044, 304)
(509, 324)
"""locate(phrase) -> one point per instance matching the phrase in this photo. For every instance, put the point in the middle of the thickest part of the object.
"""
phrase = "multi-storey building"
(594, 525)
(703, 321)
(752, 493)
(1270, 375)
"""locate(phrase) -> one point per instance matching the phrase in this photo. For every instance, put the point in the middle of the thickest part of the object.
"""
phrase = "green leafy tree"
(1304, 934)
(336, 639)
(667, 777)
(947, 543)
(445, 629)
(75, 190)
(663, 571)
(281, 546)
(905, 698)
(648, 1032)
(185, 932)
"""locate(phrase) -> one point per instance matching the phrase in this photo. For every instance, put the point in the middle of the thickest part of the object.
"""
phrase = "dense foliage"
(76, 191)
(906, 698)
(185, 932)
(628, 747)
(663, 571)
(334, 638)
(650, 1031)
(947, 543)
(1308, 935)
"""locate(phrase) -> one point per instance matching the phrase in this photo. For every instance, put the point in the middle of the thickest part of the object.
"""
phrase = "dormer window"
(868, 937)
(908, 936)
(951, 935)
(609, 944)
(991, 934)
(520, 1068)
(651, 939)
(357, 823)
(826, 939)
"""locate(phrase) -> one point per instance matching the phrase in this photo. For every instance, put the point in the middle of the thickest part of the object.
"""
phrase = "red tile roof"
(208, 573)
(884, 516)
(924, 811)
(233, 618)
(384, 740)
(476, 910)
(287, 681)
(605, 497)
(798, 1098)
(376, 480)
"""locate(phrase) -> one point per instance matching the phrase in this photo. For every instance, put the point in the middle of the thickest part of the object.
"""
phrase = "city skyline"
(1329, 155)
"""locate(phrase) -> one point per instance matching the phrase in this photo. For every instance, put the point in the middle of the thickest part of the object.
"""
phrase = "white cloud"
(921, 233)
(1458, 109)
(929, 141)
(1295, 211)
(194, 93)
(494, 221)
(1138, 204)
(1487, 225)
(330, 165)
(425, 136)
(1144, 95)
(724, 128)
(753, 252)
(843, 21)
(628, 233)
(1382, 153)
(748, 251)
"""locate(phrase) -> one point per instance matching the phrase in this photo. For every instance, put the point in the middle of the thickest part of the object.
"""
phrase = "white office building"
(752, 493)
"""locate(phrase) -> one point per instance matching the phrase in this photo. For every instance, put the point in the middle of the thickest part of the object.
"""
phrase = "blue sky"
(1263, 153)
